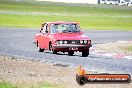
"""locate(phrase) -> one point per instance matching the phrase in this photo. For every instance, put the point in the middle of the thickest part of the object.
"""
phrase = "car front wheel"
(51, 49)
(85, 53)
(39, 49)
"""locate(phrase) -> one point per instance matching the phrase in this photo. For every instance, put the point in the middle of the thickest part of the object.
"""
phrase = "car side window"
(78, 27)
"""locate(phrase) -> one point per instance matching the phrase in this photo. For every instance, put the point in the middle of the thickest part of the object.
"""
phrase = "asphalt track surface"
(19, 43)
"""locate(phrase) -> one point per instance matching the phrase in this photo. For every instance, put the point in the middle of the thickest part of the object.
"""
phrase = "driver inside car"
(54, 29)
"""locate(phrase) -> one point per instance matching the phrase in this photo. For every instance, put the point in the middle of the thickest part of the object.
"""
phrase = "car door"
(45, 36)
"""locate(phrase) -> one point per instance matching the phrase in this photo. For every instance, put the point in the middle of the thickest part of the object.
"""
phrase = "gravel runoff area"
(122, 47)
(21, 71)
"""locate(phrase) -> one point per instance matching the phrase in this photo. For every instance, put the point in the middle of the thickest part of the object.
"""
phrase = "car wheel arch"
(37, 43)
(50, 44)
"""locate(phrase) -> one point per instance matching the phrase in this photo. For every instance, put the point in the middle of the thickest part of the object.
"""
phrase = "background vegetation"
(31, 13)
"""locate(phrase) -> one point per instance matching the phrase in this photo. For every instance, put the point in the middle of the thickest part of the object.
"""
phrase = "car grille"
(73, 41)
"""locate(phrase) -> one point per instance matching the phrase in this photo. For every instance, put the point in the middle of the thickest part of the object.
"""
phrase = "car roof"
(62, 22)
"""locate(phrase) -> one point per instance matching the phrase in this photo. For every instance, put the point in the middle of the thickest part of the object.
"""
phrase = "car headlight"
(65, 42)
(81, 41)
(85, 41)
(60, 42)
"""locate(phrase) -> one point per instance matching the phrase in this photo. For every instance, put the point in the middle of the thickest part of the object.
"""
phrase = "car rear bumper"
(71, 47)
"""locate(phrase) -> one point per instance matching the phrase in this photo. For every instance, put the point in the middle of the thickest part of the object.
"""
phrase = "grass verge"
(39, 85)
(30, 14)
(6, 85)
(128, 48)
(34, 21)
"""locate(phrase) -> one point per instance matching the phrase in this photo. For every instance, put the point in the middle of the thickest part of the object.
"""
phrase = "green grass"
(89, 22)
(6, 85)
(30, 14)
(129, 48)
(38, 85)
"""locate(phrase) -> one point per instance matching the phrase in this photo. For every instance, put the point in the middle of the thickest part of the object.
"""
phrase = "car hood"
(69, 36)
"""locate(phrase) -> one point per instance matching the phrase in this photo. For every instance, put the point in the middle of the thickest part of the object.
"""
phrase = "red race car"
(62, 37)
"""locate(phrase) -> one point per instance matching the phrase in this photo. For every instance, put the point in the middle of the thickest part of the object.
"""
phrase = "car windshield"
(64, 28)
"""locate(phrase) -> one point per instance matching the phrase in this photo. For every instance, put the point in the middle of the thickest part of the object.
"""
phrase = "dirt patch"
(122, 47)
(27, 72)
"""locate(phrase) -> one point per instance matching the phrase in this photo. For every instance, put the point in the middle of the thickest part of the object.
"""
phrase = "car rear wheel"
(51, 49)
(39, 49)
(85, 53)
(70, 53)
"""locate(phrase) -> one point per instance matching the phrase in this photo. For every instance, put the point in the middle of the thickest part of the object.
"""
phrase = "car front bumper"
(71, 47)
